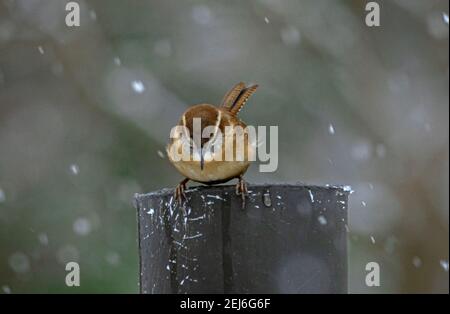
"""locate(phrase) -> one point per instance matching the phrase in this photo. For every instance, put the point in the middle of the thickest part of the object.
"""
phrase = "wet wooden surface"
(288, 239)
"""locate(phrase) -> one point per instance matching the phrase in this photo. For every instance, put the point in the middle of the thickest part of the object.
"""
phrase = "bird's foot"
(179, 193)
(241, 189)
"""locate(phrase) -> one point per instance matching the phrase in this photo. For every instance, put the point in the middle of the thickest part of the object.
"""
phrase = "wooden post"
(288, 239)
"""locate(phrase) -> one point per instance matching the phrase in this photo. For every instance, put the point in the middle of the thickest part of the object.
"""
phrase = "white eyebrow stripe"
(186, 133)
(213, 138)
(216, 127)
(219, 119)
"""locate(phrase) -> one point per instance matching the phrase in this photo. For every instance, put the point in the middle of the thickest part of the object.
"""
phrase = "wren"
(206, 163)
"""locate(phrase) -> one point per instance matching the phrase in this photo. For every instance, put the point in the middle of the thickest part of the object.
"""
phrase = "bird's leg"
(179, 191)
(241, 189)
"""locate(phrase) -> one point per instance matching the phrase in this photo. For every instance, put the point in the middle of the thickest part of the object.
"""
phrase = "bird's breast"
(213, 170)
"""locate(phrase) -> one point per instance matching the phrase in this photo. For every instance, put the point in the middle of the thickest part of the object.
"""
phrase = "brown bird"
(207, 163)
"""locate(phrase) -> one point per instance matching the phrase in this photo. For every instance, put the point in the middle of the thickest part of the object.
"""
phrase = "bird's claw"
(242, 190)
(179, 193)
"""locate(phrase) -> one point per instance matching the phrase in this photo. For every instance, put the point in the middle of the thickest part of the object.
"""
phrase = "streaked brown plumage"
(219, 117)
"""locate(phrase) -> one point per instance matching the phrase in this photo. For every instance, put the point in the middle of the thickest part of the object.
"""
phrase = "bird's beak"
(202, 160)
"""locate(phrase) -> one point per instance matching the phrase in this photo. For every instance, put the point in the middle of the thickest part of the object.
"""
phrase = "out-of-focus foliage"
(85, 114)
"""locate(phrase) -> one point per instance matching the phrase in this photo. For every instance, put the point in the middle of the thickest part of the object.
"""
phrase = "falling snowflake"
(19, 262)
(138, 86)
(331, 129)
(444, 264)
(74, 169)
(82, 226)
(416, 261)
(445, 17)
(6, 289)
(2, 196)
(43, 238)
(322, 220)
(93, 15)
(290, 36)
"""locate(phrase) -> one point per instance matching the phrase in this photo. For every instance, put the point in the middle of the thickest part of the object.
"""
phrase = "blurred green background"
(85, 115)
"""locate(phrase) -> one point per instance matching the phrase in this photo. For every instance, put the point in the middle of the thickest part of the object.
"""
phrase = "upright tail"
(236, 98)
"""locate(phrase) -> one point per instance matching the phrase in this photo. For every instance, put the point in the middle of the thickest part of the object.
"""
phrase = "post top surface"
(344, 189)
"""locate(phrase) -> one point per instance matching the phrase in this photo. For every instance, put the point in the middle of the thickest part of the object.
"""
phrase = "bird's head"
(202, 123)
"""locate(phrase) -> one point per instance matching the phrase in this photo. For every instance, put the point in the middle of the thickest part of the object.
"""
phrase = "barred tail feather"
(242, 99)
(230, 98)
